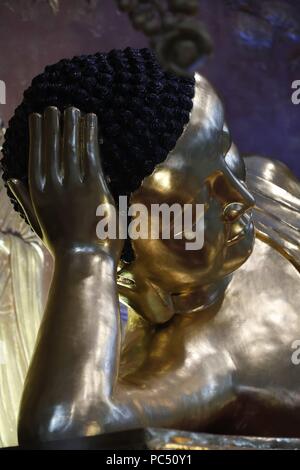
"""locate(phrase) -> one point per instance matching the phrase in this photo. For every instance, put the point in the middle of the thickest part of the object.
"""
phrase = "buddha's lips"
(239, 229)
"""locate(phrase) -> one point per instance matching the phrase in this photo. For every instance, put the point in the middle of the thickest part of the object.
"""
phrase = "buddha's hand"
(66, 183)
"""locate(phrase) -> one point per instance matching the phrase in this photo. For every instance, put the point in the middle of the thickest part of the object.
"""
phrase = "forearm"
(75, 363)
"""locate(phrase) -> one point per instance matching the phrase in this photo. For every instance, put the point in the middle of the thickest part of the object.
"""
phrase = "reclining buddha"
(212, 334)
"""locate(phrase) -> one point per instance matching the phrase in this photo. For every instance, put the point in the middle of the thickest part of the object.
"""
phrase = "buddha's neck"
(200, 298)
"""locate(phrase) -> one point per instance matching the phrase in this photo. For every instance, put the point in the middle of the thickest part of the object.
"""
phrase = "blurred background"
(256, 57)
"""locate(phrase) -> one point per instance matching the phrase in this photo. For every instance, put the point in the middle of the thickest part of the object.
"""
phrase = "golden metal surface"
(277, 211)
(167, 439)
(22, 288)
(193, 358)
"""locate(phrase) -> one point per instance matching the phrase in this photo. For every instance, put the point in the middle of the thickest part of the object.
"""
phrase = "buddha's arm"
(74, 366)
(75, 362)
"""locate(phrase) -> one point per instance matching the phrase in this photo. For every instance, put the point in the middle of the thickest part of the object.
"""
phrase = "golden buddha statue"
(211, 333)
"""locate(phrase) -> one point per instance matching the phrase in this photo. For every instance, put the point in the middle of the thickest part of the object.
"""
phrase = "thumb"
(22, 195)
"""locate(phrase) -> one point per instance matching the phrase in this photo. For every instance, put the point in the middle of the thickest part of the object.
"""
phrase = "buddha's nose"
(235, 195)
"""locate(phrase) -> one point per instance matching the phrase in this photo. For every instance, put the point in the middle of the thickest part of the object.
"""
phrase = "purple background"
(256, 58)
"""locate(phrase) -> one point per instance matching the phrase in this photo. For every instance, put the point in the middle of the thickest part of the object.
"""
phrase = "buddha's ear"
(22, 195)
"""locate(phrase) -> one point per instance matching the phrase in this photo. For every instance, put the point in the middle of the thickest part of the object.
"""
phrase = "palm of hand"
(66, 182)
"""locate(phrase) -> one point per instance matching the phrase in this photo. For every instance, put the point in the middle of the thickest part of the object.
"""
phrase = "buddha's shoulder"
(268, 273)
(277, 210)
(261, 313)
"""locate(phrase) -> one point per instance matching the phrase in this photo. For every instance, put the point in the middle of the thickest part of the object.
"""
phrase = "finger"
(92, 166)
(82, 143)
(52, 144)
(71, 144)
(22, 195)
(35, 152)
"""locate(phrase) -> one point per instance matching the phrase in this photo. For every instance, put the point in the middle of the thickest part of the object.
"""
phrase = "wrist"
(78, 255)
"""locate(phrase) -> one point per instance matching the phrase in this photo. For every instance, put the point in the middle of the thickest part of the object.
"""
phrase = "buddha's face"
(204, 168)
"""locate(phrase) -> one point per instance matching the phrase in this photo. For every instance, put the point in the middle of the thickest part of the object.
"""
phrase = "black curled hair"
(142, 110)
